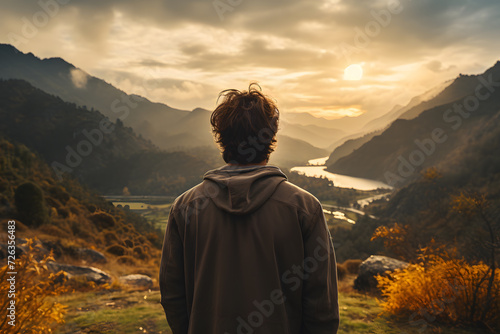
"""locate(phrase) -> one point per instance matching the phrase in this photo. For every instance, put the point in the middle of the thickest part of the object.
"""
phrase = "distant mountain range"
(168, 128)
(454, 120)
(87, 145)
(379, 149)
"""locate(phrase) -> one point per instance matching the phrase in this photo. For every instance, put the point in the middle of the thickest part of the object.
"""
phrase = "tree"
(30, 204)
(475, 206)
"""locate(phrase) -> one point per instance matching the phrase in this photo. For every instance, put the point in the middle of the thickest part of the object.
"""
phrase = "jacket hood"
(243, 189)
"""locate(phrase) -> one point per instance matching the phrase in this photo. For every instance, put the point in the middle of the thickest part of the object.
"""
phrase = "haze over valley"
(389, 116)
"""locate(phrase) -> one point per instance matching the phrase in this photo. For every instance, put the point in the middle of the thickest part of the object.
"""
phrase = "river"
(317, 168)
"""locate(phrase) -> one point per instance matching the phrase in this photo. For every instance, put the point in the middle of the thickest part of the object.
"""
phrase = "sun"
(353, 72)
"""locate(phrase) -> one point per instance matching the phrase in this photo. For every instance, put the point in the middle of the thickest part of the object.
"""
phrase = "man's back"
(246, 251)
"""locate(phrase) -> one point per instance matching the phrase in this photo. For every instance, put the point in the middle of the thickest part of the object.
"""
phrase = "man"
(246, 251)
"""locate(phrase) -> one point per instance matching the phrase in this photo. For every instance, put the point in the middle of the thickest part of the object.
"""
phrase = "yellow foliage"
(431, 174)
(442, 288)
(34, 283)
(469, 204)
(395, 238)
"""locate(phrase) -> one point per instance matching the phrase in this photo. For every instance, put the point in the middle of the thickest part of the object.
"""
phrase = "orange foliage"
(431, 174)
(34, 285)
(468, 203)
(442, 288)
(395, 239)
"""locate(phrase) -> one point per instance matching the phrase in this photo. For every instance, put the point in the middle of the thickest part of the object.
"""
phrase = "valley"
(99, 169)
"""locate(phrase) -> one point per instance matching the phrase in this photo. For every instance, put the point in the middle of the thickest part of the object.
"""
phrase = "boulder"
(91, 255)
(90, 273)
(137, 280)
(373, 266)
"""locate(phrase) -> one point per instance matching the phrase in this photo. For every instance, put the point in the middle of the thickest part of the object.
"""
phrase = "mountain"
(168, 128)
(436, 137)
(451, 91)
(57, 77)
(349, 146)
(347, 124)
(302, 152)
(417, 104)
(87, 145)
(318, 136)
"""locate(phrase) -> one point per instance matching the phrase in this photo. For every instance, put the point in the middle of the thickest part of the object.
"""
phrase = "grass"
(158, 216)
(362, 314)
(114, 312)
(127, 312)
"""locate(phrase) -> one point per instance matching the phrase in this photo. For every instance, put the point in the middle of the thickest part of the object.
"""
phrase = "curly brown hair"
(245, 124)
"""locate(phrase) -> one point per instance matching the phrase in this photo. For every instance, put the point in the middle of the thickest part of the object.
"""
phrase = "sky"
(184, 52)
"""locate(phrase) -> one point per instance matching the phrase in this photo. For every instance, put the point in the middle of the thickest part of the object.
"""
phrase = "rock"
(91, 255)
(137, 280)
(373, 266)
(90, 273)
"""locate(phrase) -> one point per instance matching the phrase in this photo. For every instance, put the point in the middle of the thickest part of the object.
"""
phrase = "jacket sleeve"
(172, 286)
(320, 308)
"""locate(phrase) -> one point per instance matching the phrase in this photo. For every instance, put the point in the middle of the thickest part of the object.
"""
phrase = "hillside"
(87, 145)
(68, 215)
(302, 152)
(398, 154)
(417, 104)
(349, 146)
(168, 128)
(60, 78)
(319, 136)
(456, 89)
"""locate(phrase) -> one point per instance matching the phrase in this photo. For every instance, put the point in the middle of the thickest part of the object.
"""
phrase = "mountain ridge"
(391, 151)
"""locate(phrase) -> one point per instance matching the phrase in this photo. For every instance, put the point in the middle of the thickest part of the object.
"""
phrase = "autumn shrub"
(128, 260)
(155, 239)
(59, 193)
(34, 287)
(53, 230)
(341, 271)
(396, 240)
(352, 266)
(116, 250)
(102, 220)
(81, 284)
(138, 252)
(63, 212)
(129, 243)
(443, 288)
(110, 238)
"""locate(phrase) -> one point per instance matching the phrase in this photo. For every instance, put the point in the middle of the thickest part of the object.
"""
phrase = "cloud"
(182, 53)
(437, 66)
(78, 77)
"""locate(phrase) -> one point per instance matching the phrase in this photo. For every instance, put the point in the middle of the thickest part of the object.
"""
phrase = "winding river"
(317, 168)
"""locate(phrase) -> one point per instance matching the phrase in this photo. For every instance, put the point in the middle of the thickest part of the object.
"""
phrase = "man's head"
(245, 125)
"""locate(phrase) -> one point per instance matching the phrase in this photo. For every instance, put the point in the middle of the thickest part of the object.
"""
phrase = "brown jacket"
(246, 251)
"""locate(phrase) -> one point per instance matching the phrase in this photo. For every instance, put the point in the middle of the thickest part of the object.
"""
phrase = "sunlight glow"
(353, 72)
